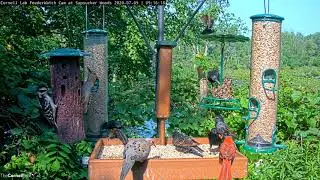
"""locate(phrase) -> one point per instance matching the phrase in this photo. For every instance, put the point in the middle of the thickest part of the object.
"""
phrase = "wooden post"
(163, 85)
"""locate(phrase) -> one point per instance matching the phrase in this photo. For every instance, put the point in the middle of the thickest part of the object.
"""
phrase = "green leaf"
(66, 148)
(51, 153)
(52, 146)
(55, 165)
(66, 156)
(15, 109)
(296, 96)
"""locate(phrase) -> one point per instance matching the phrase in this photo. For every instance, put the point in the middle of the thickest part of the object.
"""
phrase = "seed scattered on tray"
(168, 151)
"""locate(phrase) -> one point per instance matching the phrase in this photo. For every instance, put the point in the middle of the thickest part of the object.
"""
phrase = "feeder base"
(169, 168)
(269, 149)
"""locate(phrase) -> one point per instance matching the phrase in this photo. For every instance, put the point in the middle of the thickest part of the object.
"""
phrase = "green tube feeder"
(264, 71)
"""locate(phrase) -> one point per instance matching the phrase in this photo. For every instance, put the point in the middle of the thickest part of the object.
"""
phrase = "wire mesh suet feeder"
(214, 102)
(95, 42)
(66, 89)
(265, 61)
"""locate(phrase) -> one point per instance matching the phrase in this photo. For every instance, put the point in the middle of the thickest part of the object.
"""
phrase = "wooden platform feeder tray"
(165, 168)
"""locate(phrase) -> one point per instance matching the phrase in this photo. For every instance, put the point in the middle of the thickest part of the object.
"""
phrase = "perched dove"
(136, 150)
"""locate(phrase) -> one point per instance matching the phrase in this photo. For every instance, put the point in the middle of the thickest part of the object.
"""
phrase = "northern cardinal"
(227, 153)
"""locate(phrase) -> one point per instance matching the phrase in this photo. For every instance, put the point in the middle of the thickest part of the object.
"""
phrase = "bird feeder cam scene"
(184, 89)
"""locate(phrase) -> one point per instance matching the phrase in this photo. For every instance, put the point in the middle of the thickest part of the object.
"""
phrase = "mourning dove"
(136, 150)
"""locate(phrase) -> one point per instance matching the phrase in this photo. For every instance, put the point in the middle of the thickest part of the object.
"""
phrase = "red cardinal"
(227, 154)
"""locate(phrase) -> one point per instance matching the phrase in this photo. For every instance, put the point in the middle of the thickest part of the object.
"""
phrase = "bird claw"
(214, 151)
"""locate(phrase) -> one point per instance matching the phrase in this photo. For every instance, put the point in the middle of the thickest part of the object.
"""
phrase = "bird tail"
(225, 172)
(123, 138)
(199, 149)
(195, 151)
(126, 166)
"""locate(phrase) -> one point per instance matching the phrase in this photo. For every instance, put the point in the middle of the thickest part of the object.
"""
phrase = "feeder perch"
(163, 168)
(163, 85)
(254, 108)
(269, 76)
(95, 42)
(265, 61)
(66, 87)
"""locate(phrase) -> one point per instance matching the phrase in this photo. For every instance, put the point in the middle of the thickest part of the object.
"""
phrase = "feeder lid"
(267, 17)
(65, 52)
(225, 37)
(166, 43)
(95, 31)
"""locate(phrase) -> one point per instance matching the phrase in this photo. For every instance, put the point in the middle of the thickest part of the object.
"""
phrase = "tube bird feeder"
(95, 42)
(66, 87)
(264, 81)
(163, 85)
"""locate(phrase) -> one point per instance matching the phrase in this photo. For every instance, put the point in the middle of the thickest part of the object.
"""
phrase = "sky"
(299, 15)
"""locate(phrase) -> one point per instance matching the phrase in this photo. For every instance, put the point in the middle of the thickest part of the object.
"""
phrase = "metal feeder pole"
(161, 121)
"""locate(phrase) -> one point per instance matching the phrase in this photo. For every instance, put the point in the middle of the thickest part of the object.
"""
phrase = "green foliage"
(44, 157)
(298, 161)
(28, 31)
(204, 62)
(133, 103)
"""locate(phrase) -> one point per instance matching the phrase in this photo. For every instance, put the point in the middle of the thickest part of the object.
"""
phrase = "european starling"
(217, 134)
(213, 76)
(186, 144)
(113, 130)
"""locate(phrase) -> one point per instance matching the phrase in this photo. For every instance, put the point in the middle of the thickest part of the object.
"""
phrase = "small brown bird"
(185, 143)
(136, 150)
(86, 89)
(208, 22)
(227, 153)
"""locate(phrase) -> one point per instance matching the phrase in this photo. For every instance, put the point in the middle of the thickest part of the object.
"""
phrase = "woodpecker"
(48, 108)
(86, 89)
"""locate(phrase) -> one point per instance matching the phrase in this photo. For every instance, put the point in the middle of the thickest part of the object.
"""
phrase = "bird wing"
(189, 149)
(214, 138)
